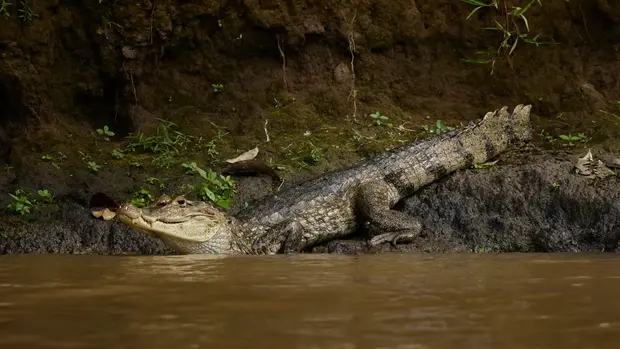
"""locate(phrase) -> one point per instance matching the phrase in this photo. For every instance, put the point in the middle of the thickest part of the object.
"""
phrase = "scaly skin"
(336, 204)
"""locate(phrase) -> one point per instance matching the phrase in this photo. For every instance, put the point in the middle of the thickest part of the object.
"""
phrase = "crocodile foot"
(383, 223)
(394, 238)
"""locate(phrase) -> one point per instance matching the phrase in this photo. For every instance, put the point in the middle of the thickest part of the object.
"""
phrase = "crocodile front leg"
(286, 237)
(385, 224)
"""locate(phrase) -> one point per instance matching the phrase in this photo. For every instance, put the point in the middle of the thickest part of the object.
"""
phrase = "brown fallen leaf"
(102, 206)
(108, 214)
(590, 168)
(248, 155)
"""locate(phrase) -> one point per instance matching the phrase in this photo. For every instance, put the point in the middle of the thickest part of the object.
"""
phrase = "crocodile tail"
(516, 124)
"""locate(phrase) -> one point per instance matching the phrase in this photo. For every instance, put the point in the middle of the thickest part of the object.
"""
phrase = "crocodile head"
(186, 226)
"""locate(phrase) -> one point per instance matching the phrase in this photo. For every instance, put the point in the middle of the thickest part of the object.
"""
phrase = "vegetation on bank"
(512, 24)
(168, 153)
(168, 150)
(25, 13)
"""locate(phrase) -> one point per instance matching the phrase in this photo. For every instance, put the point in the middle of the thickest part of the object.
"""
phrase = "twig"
(133, 86)
(265, 128)
(352, 49)
(283, 61)
(152, 15)
(585, 24)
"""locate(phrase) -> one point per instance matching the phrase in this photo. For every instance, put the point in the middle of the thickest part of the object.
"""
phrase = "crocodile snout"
(129, 210)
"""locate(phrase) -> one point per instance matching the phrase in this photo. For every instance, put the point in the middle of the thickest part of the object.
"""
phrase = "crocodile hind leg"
(373, 203)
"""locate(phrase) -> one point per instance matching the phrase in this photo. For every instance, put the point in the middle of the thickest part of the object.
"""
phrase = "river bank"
(527, 202)
(315, 86)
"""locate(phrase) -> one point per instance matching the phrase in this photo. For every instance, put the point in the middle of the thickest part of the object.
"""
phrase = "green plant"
(303, 154)
(166, 143)
(380, 119)
(26, 14)
(217, 88)
(548, 137)
(117, 154)
(46, 196)
(93, 167)
(216, 188)
(54, 160)
(480, 4)
(141, 198)
(510, 25)
(21, 203)
(316, 153)
(211, 146)
(440, 128)
(154, 180)
(105, 133)
(580, 137)
(4, 8)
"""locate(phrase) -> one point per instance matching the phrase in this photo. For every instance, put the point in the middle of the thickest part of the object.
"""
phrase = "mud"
(535, 203)
(305, 75)
(538, 206)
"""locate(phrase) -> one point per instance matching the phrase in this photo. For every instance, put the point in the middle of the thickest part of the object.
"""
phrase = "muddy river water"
(311, 301)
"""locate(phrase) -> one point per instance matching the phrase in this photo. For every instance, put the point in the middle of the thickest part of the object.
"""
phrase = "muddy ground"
(534, 204)
(525, 203)
(305, 75)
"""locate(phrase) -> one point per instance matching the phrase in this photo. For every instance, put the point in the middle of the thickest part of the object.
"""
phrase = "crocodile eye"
(180, 200)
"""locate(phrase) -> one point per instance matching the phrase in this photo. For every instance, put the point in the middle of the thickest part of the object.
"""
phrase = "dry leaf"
(107, 214)
(248, 155)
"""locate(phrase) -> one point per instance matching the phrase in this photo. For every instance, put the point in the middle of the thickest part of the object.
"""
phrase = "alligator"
(335, 204)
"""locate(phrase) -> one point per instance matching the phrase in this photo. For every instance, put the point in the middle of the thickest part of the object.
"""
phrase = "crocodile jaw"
(192, 234)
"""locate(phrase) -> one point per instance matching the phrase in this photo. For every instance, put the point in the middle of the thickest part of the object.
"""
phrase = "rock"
(313, 26)
(129, 52)
(342, 74)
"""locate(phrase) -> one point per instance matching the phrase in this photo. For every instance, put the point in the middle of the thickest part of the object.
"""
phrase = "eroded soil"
(306, 74)
(535, 204)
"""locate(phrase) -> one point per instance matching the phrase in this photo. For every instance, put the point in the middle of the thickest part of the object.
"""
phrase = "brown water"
(311, 301)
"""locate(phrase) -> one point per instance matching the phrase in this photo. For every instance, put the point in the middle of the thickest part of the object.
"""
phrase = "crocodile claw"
(394, 238)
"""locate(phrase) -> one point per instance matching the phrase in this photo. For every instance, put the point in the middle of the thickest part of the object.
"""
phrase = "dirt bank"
(539, 205)
(525, 203)
(304, 75)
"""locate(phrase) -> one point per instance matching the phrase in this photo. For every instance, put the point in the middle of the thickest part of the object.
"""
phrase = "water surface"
(400, 301)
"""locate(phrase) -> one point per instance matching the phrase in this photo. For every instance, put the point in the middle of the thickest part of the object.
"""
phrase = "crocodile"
(335, 204)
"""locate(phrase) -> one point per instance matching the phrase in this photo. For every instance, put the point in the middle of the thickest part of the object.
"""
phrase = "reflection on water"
(310, 301)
